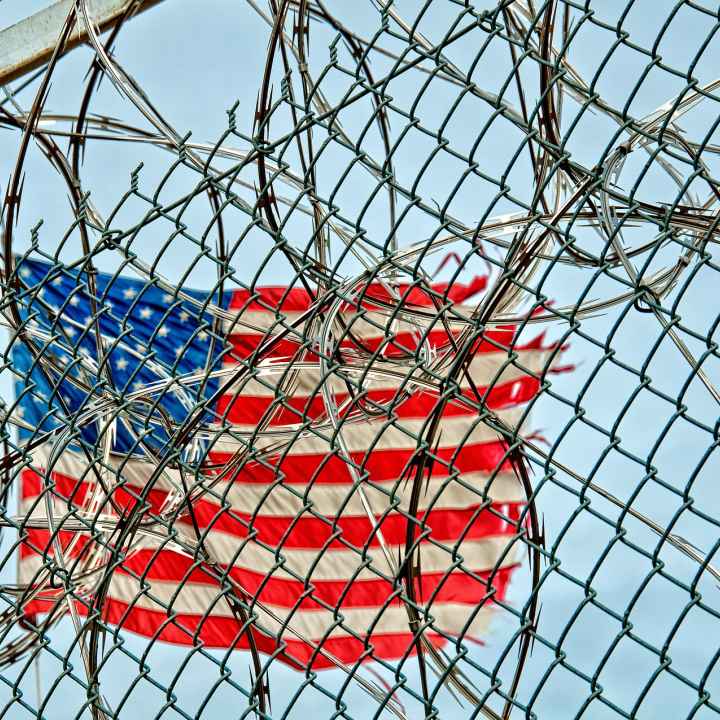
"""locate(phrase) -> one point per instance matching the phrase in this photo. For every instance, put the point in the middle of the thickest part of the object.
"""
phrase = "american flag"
(206, 416)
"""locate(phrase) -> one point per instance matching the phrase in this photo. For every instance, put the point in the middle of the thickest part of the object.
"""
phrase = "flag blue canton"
(149, 336)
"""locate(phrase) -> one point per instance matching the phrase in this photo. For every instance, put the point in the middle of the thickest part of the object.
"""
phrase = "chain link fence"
(395, 398)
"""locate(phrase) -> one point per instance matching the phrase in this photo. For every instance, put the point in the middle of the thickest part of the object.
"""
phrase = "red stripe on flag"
(270, 298)
(250, 409)
(380, 465)
(222, 632)
(310, 532)
(498, 340)
(441, 587)
(466, 585)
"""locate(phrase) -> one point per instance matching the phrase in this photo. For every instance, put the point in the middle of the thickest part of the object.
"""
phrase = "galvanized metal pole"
(29, 43)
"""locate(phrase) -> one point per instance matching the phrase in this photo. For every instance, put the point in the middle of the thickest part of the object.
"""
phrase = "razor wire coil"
(427, 194)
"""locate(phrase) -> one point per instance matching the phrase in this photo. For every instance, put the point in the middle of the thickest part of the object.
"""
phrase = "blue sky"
(195, 60)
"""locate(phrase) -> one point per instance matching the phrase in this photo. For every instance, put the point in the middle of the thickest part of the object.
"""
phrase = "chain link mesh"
(481, 173)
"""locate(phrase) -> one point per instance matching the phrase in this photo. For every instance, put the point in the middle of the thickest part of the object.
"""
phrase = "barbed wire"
(438, 231)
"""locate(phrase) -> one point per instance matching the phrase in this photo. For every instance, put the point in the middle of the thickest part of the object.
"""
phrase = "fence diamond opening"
(392, 395)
